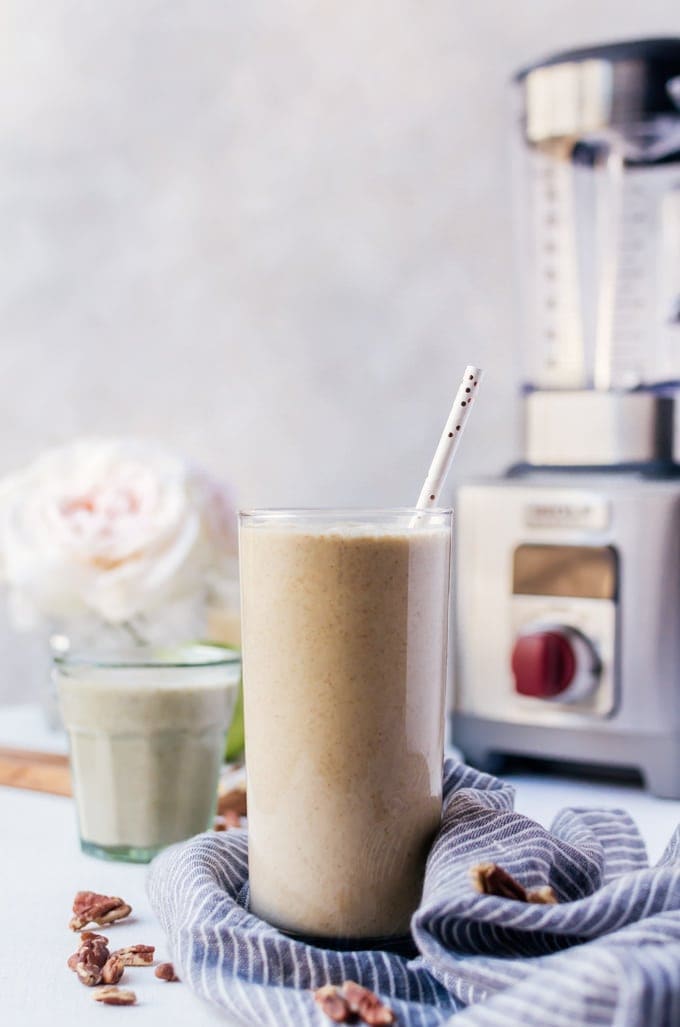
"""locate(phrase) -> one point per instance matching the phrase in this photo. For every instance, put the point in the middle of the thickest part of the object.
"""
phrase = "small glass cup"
(345, 626)
(147, 731)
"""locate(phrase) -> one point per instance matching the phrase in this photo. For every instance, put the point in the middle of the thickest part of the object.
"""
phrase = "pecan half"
(91, 952)
(112, 970)
(89, 974)
(166, 972)
(94, 951)
(90, 907)
(112, 996)
(490, 879)
(367, 1005)
(92, 936)
(544, 896)
(135, 955)
(332, 1003)
(233, 801)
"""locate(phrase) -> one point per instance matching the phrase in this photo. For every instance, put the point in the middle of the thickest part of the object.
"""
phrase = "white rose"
(110, 528)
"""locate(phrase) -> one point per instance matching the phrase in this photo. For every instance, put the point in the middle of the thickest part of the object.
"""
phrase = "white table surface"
(41, 869)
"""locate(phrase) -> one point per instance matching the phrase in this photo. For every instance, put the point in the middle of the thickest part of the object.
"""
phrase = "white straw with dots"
(448, 443)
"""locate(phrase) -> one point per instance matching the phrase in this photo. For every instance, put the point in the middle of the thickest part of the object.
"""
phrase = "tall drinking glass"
(345, 624)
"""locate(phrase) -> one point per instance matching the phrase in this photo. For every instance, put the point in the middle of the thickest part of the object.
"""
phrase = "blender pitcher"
(600, 217)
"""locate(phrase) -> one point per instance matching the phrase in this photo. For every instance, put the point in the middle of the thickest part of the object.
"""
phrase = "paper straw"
(450, 439)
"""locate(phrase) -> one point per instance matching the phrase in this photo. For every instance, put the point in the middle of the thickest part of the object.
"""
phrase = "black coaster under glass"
(399, 946)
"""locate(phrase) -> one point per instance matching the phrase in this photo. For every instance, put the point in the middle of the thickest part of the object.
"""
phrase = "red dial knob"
(543, 663)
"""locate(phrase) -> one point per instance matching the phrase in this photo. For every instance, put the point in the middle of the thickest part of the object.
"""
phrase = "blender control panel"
(564, 626)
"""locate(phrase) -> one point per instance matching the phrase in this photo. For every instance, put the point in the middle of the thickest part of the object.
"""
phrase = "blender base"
(486, 743)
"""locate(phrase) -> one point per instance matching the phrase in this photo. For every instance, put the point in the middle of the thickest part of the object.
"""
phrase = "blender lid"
(585, 90)
(665, 49)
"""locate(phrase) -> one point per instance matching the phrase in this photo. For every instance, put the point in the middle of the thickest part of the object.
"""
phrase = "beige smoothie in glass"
(345, 624)
(146, 732)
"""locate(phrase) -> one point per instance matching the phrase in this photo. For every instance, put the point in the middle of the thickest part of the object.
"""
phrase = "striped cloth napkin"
(607, 953)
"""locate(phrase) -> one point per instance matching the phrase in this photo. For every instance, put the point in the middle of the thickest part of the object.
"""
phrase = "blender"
(567, 616)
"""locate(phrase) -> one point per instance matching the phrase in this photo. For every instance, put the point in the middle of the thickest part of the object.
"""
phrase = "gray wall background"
(268, 233)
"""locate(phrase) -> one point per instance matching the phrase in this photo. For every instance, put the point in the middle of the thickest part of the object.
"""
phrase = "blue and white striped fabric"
(608, 953)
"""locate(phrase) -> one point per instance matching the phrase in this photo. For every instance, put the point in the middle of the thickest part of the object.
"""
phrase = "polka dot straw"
(450, 439)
